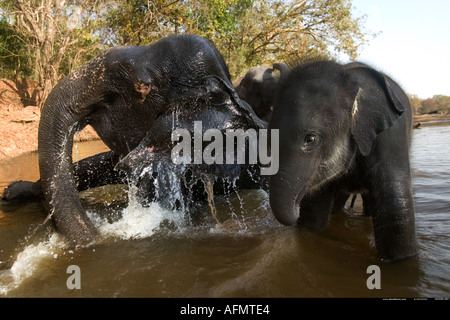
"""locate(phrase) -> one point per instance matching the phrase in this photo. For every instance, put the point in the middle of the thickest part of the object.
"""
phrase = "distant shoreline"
(429, 119)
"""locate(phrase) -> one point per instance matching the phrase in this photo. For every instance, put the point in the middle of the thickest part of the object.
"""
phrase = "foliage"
(141, 22)
(61, 35)
(56, 33)
(246, 32)
(436, 104)
(416, 103)
(13, 52)
(439, 104)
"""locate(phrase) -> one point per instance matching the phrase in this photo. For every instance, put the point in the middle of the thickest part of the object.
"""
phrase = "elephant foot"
(388, 256)
(395, 239)
(23, 191)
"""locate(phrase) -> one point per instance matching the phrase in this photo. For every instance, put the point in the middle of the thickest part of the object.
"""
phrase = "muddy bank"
(19, 132)
(19, 119)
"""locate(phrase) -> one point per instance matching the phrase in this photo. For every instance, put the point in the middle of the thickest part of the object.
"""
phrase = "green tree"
(429, 105)
(56, 31)
(416, 103)
(250, 32)
(442, 103)
(61, 35)
(246, 32)
(142, 22)
(13, 52)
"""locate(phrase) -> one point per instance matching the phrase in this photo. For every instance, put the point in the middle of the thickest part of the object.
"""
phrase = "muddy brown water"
(153, 252)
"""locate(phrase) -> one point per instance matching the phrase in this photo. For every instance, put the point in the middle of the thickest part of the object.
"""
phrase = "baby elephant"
(258, 88)
(344, 129)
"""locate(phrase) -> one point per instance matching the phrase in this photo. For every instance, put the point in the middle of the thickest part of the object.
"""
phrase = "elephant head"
(258, 87)
(344, 129)
(122, 93)
(179, 180)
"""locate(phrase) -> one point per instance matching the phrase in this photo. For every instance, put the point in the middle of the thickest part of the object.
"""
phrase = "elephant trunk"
(66, 106)
(285, 198)
(283, 68)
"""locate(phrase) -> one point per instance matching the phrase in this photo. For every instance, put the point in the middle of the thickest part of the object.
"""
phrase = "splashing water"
(29, 260)
(208, 181)
(137, 221)
(134, 222)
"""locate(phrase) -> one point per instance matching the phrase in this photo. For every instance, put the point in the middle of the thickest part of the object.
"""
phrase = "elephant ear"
(241, 107)
(376, 105)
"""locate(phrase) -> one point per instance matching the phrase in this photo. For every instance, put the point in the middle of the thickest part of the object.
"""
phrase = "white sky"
(414, 44)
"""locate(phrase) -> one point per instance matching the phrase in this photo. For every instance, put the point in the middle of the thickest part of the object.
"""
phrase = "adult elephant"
(258, 86)
(127, 94)
(344, 129)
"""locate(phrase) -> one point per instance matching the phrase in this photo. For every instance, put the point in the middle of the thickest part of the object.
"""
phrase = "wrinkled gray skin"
(344, 129)
(258, 86)
(133, 97)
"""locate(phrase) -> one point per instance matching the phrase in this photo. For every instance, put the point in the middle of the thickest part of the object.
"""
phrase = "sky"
(413, 46)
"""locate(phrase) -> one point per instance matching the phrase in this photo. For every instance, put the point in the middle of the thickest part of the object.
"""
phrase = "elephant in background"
(258, 86)
(344, 129)
(133, 97)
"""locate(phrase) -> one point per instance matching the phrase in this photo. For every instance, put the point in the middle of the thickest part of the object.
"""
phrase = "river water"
(245, 252)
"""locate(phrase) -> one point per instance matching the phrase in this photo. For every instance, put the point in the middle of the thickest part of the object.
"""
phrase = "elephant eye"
(310, 138)
(311, 141)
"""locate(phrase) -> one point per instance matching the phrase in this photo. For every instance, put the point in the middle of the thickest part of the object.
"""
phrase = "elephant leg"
(315, 209)
(365, 199)
(91, 172)
(339, 200)
(391, 208)
(23, 191)
(97, 171)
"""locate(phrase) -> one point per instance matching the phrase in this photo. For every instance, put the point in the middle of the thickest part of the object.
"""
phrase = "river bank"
(19, 131)
(19, 119)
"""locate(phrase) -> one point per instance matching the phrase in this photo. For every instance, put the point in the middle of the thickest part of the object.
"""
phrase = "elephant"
(258, 86)
(134, 97)
(344, 129)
